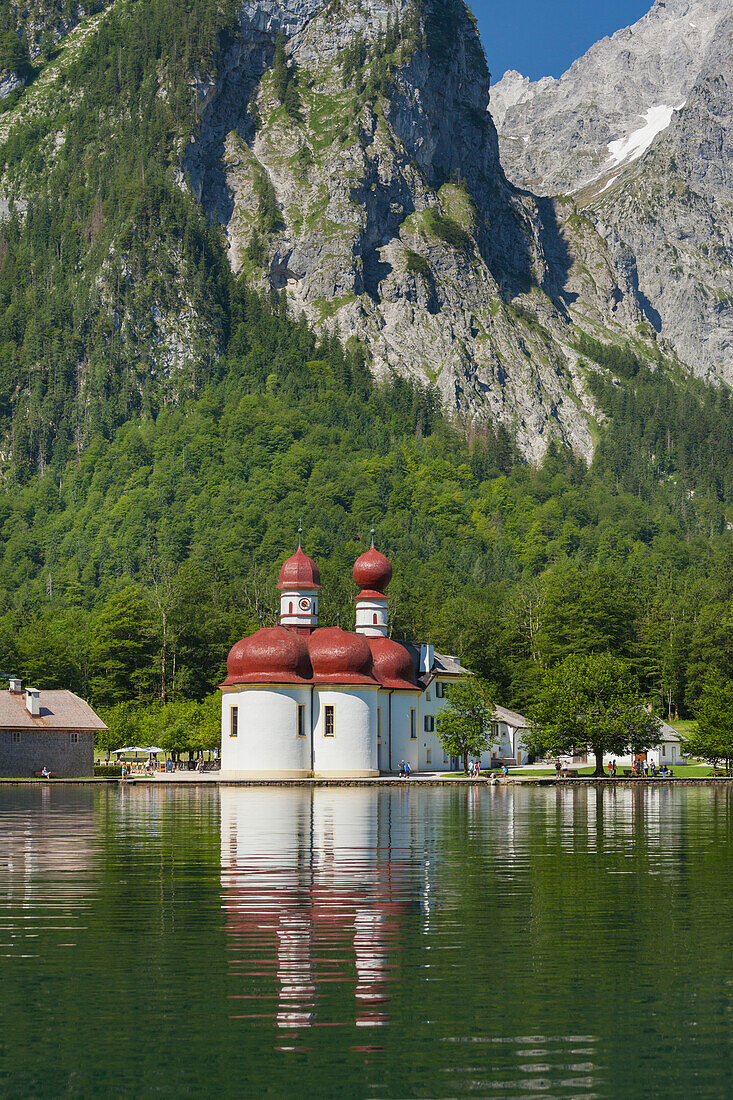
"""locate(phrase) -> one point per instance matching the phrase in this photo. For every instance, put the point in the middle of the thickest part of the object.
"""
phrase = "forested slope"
(129, 571)
(167, 424)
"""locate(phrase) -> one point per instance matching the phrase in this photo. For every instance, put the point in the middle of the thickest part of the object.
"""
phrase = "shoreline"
(198, 780)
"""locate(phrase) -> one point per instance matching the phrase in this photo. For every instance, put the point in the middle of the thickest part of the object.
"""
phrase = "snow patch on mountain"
(636, 144)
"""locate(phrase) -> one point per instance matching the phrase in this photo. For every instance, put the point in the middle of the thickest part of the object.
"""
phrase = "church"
(302, 700)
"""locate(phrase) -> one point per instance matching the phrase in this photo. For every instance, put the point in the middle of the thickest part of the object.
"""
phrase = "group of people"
(644, 768)
(649, 770)
(405, 770)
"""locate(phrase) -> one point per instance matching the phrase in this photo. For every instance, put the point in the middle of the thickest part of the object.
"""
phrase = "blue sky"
(543, 37)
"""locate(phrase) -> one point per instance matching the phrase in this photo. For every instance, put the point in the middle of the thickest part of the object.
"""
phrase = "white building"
(507, 746)
(670, 750)
(303, 700)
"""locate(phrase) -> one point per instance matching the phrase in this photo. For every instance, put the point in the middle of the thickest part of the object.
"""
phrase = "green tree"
(713, 740)
(14, 56)
(591, 704)
(280, 73)
(123, 649)
(464, 727)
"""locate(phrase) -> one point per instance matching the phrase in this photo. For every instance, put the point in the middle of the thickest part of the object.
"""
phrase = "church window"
(328, 722)
(429, 723)
(233, 721)
(73, 738)
(291, 608)
(375, 618)
(301, 720)
(413, 724)
(16, 737)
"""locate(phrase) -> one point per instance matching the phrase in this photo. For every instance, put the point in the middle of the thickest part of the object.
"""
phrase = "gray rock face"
(42, 20)
(641, 131)
(387, 214)
(8, 83)
(555, 134)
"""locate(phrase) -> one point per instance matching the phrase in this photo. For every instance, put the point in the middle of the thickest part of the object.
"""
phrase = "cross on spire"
(372, 534)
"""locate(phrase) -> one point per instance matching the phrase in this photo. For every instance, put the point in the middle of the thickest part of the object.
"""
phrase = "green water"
(367, 943)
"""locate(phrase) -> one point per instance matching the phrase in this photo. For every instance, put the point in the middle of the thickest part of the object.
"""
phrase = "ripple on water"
(508, 942)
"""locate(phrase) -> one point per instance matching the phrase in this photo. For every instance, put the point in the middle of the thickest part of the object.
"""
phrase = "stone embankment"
(381, 781)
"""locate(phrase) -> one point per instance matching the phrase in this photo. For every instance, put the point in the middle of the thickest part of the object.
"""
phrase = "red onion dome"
(339, 657)
(272, 655)
(392, 664)
(299, 571)
(372, 571)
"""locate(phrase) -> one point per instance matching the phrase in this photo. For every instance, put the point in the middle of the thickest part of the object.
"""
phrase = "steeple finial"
(300, 532)
(372, 534)
(338, 618)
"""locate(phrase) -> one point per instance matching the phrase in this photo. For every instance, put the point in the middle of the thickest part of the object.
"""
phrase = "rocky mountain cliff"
(639, 132)
(377, 200)
(346, 153)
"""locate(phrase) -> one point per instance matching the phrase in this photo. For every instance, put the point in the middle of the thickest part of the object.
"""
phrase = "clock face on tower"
(304, 604)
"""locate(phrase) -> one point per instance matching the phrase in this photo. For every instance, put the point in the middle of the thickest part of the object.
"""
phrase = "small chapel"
(302, 700)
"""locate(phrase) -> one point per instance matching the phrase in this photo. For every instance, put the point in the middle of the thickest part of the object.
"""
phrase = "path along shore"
(209, 779)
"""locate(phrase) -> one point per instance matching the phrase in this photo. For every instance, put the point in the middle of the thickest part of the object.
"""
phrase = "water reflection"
(48, 841)
(314, 890)
(395, 942)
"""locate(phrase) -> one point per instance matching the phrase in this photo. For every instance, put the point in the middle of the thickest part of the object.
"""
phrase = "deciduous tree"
(464, 727)
(713, 740)
(591, 704)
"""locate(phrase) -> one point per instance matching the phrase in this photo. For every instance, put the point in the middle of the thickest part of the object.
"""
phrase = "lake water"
(387, 942)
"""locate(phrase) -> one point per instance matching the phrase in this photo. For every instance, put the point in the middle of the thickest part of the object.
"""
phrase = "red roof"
(272, 655)
(392, 664)
(340, 657)
(329, 655)
(372, 571)
(299, 571)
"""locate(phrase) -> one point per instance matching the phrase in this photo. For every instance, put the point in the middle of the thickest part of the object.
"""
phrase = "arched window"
(375, 618)
(291, 607)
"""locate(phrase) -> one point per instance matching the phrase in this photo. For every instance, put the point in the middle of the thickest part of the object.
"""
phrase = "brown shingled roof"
(60, 710)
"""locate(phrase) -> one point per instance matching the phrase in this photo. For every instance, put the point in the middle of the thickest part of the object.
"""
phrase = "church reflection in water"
(318, 886)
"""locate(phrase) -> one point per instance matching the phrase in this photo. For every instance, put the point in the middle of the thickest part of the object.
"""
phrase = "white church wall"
(267, 742)
(424, 751)
(351, 750)
(403, 746)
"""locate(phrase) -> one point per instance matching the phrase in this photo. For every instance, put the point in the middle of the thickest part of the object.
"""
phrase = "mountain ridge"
(338, 155)
(653, 175)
